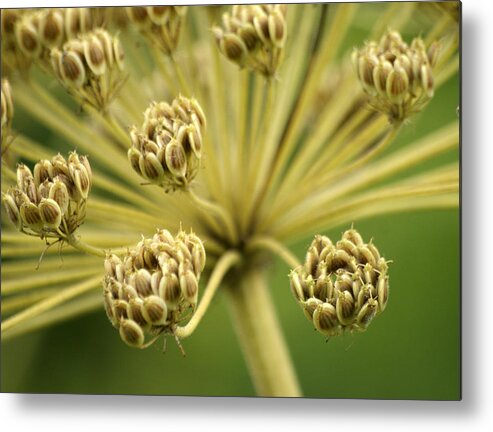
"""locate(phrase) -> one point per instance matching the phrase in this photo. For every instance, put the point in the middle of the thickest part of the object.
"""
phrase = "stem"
(181, 78)
(228, 260)
(216, 210)
(51, 302)
(84, 247)
(277, 248)
(261, 338)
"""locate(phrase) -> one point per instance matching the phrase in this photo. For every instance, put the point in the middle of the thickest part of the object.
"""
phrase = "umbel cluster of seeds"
(341, 287)
(152, 288)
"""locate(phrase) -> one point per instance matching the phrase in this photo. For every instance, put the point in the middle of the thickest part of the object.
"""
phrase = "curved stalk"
(228, 260)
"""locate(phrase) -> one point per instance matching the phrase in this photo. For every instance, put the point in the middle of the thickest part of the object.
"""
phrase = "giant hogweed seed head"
(90, 67)
(167, 149)
(397, 78)
(154, 286)
(341, 287)
(160, 25)
(253, 37)
(40, 203)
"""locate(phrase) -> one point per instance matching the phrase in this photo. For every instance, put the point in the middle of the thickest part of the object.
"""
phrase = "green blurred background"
(411, 351)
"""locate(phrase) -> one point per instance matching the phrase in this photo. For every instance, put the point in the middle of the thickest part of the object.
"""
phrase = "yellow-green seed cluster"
(51, 200)
(161, 25)
(168, 148)
(341, 287)
(253, 36)
(90, 67)
(154, 286)
(397, 78)
(29, 35)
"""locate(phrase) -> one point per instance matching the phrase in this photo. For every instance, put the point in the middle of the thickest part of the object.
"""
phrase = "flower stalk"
(260, 336)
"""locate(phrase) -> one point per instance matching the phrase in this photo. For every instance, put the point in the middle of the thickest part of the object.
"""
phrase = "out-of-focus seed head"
(168, 148)
(341, 287)
(12, 209)
(90, 67)
(253, 37)
(397, 78)
(51, 28)
(160, 25)
(154, 286)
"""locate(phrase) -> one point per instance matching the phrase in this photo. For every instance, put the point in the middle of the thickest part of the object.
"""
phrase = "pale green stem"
(36, 280)
(78, 244)
(261, 337)
(228, 260)
(50, 303)
(181, 78)
(55, 316)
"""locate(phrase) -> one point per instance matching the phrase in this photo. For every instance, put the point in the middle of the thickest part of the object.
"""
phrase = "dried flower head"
(154, 286)
(341, 287)
(253, 36)
(168, 148)
(161, 25)
(397, 78)
(51, 200)
(90, 67)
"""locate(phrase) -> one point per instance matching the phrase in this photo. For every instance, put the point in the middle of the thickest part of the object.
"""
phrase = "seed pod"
(12, 210)
(118, 53)
(397, 84)
(380, 76)
(159, 15)
(142, 283)
(277, 28)
(367, 313)
(345, 307)
(170, 290)
(23, 174)
(134, 312)
(296, 285)
(7, 104)
(43, 170)
(70, 68)
(383, 292)
(427, 80)
(51, 28)
(325, 319)
(189, 286)
(30, 216)
(94, 54)
(176, 159)
(309, 307)
(27, 38)
(50, 213)
(150, 167)
(31, 190)
(154, 310)
(80, 178)
(131, 333)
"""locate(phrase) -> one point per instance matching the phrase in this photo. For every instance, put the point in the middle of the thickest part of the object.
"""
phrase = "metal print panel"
(237, 200)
